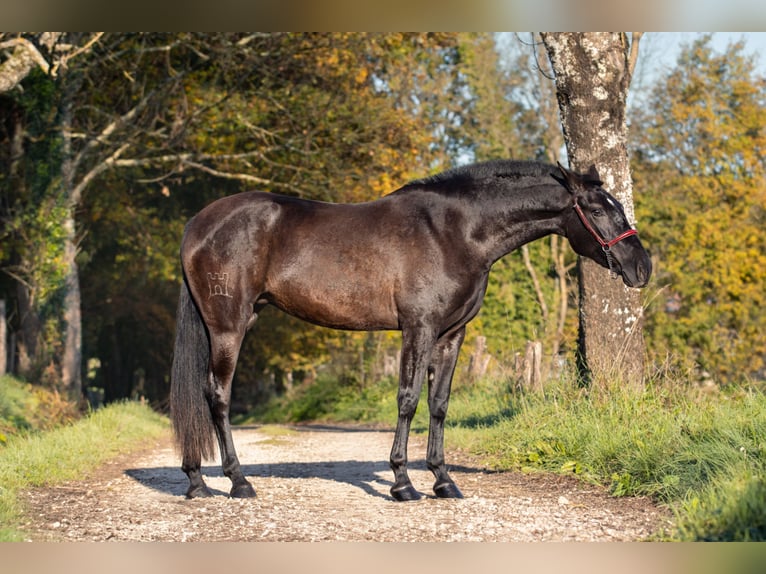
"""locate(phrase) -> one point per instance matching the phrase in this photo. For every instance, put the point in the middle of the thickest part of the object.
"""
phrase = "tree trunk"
(29, 333)
(593, 72)
(3, 339)
(71, 371)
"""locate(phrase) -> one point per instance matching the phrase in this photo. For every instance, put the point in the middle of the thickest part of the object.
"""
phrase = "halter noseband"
(606, 246)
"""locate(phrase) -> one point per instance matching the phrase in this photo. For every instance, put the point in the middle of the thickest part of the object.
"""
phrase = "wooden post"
(528, 367)
(533, 362)
(479, 361)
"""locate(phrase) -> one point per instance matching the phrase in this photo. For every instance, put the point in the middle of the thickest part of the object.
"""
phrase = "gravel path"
(318, 483)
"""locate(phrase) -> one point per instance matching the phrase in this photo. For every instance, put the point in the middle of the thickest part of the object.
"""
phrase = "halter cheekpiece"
(606, 246)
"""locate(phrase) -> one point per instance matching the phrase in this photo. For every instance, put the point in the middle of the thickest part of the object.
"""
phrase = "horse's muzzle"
(638, 277)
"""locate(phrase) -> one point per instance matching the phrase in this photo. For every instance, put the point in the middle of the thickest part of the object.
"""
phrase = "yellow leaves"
(361, 76)
(705, 212)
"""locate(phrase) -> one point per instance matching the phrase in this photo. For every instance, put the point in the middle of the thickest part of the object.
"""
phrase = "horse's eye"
(597, 212)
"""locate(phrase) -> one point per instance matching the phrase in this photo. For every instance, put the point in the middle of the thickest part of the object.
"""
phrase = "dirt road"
(319, 483)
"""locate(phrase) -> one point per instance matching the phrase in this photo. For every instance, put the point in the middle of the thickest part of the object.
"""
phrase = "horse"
(416, 260)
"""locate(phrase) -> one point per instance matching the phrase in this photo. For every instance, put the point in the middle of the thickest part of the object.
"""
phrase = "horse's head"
(598, 229)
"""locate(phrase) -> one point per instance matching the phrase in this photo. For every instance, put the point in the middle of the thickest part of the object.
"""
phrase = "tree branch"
(93, 173)
(64, 59)
(103, 136)
(186, 160)
(26, 56)
(535, 282)
(18, 65)
(632, 56)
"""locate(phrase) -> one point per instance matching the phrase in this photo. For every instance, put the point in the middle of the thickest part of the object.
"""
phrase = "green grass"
(331, 400)
(15, 403)
(39, 458)
(701, 454)
(24, 407)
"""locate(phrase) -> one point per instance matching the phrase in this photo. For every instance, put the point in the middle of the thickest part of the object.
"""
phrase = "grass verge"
(701, 454)
(32, 459)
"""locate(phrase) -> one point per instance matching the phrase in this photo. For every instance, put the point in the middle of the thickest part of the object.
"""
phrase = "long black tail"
(189, 409)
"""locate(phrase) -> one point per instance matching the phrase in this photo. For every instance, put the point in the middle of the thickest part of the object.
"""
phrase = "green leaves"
(700, 170)
(40, 235)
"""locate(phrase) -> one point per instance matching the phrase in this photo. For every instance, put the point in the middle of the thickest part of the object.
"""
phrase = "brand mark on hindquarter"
(218, 284)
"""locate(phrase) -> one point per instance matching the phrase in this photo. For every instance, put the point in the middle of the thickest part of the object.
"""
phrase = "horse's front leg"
(416, 350)
(443, 361)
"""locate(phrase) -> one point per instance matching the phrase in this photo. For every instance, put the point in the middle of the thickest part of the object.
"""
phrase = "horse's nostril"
(643, 272)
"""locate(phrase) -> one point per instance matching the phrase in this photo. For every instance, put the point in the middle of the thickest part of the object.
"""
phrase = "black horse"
(416, 260)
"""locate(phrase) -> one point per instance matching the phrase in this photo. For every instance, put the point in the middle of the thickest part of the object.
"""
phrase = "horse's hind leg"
(440, 372)
(223, 360)
(197, 487)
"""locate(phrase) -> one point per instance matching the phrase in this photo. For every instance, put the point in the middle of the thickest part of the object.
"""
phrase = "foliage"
(701, 168)
(69, 452)
(25, 407)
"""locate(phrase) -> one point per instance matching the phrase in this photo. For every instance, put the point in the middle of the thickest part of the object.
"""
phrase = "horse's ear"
(570, 180)
(574, 182)
(593, 176)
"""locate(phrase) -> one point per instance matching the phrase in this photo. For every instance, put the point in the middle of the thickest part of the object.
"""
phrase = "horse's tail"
(189, 408)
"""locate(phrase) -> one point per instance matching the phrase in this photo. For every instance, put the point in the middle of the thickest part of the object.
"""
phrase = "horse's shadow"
(362, 474)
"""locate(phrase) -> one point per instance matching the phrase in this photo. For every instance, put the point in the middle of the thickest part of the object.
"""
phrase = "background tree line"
(111, 146)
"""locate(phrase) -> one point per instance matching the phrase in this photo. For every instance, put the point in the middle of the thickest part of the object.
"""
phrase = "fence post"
(528, 366)
(479, 360)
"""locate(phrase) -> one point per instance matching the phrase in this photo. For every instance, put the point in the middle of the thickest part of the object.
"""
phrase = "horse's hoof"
(405, 493)
(200, 491)
(244, 490)
(447, 490)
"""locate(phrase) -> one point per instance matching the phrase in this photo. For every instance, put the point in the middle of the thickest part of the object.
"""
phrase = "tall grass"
(702, 454)
(68, 452)
(24, 407)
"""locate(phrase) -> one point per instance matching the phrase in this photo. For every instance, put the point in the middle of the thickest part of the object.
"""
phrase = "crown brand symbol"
(219, 284)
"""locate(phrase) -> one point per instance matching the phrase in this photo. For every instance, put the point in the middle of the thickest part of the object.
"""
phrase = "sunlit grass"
(69, 452)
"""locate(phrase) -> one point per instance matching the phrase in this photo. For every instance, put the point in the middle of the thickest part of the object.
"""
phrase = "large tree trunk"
(593, 72)
(71, 371)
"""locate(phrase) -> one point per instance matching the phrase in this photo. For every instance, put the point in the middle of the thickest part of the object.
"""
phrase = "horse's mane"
(466, 176)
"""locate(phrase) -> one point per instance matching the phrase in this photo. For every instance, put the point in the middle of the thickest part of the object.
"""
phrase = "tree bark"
(3, 339)
(71, 371)
(593, 72)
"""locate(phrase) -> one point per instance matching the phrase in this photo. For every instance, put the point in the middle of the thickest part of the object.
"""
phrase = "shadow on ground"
(362, 474)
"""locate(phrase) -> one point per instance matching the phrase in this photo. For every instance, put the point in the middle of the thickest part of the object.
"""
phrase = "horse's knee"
(408, 403)
(438, 409)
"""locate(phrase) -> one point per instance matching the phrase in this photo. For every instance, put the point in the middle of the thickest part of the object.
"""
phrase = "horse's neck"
(515, 218)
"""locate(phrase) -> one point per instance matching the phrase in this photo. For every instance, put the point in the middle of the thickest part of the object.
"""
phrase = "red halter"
(605, 245)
